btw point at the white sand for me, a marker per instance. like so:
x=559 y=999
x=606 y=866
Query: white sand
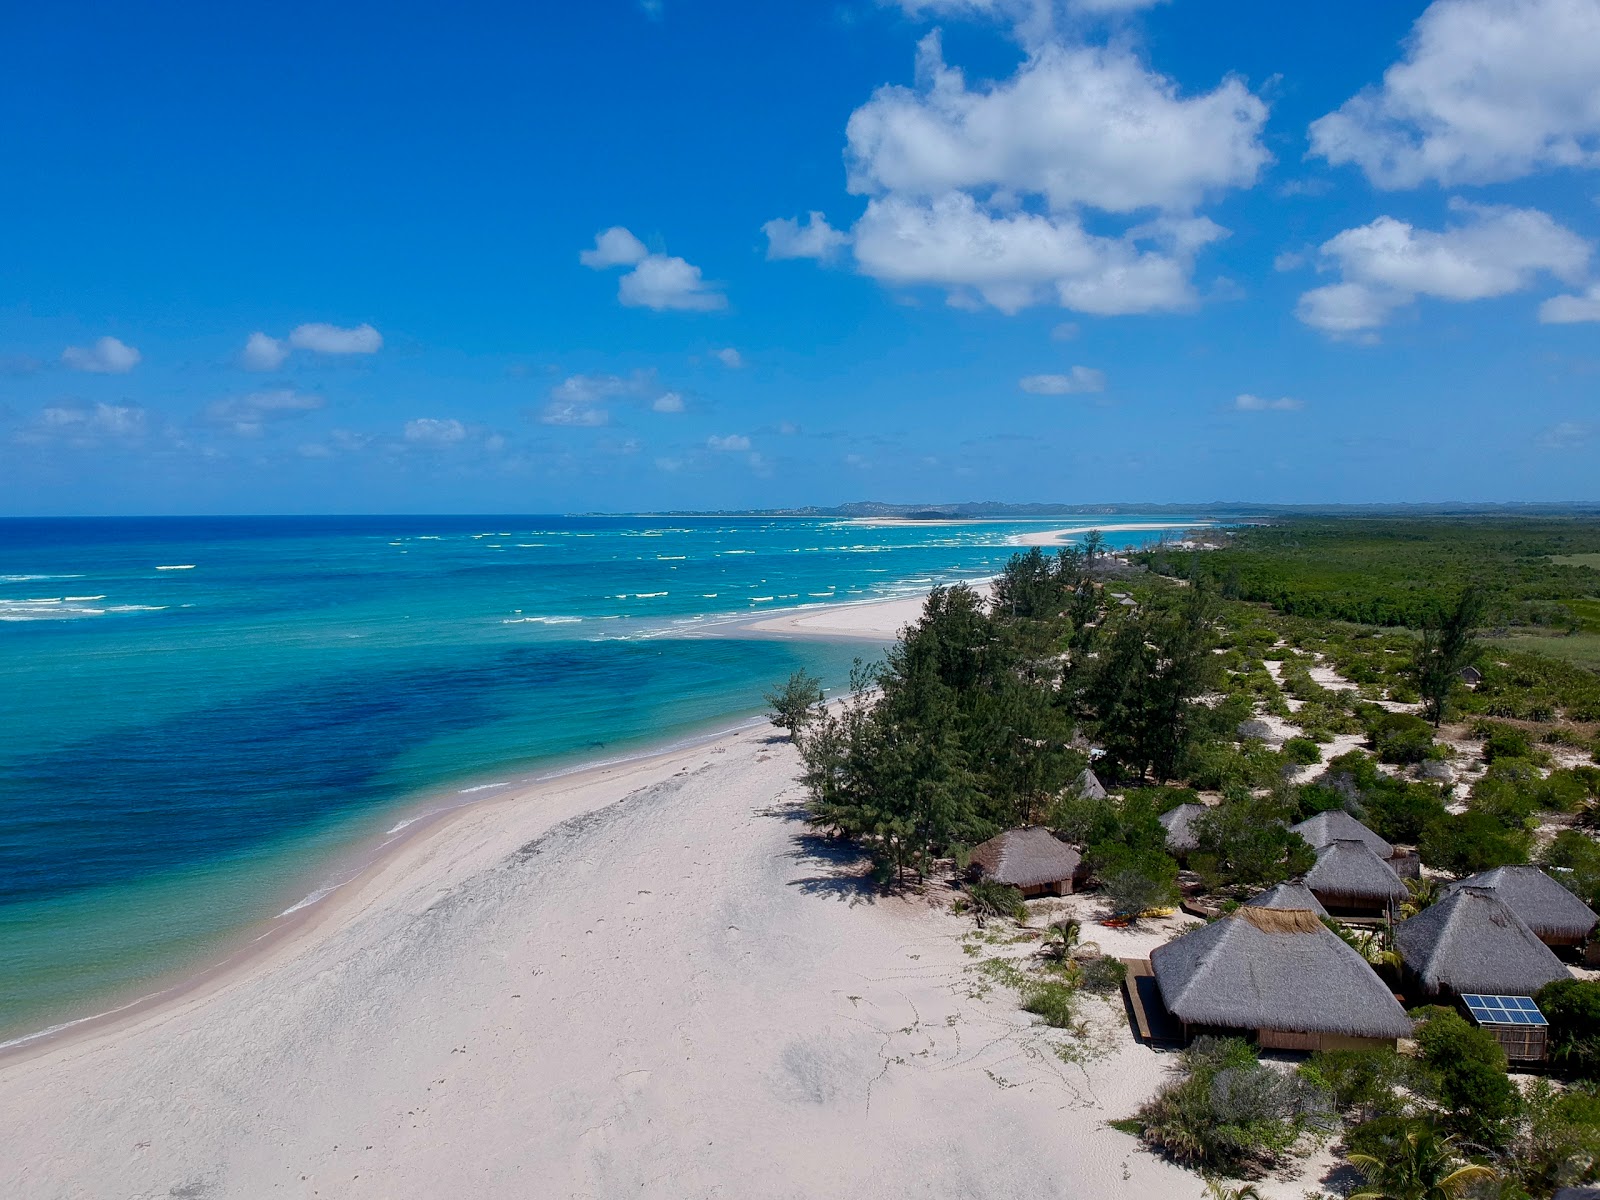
x=1060 y=537
x=645 y=980
x=871 y=620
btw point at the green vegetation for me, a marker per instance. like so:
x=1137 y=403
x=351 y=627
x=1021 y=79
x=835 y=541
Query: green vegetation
x=1468 y=1068
x=1418 y=1163
x=1572 y=1007
x=795 y=703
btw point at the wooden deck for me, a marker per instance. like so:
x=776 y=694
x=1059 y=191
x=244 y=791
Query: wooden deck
x=1153 y=1024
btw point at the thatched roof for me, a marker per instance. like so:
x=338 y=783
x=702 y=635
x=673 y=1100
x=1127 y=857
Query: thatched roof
x=1471 y=942
x=1179 y=824
x=1350 y=871
x=1027 y=858
x=1271 y=968
x=1288 y=895
x=1090 y=787
x=1337 y=825
x=1544 y=905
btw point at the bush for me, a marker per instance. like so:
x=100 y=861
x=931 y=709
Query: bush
x=1245 y=842
x=986 y=898
x=1132 y=892
x=1399 y=811
x=1573 y=859
x=1502 y=741
x=1364 y=1084
x=1231 y=1113
x=1401 y=738
x=1467 y=1073
x=1302 y=750
x=1560 y=1141
x=1471 y=842
x=1572 y=1006
x=795 y=703
x=1509 y=791
x=1050 y=999
x=1102 y=973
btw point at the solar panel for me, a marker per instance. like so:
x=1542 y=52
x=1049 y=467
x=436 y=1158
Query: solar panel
x=1504 y=1010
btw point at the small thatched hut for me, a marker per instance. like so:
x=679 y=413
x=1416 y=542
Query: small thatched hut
x=1280 y=975
x=1032 y=860
x=1471 y=942
x=1337 y=825
x=1182 y=839
x=1352 y=881
x=1556 y=916
x=1294 y=896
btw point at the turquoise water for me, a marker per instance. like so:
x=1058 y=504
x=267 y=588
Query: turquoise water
x=199 y=717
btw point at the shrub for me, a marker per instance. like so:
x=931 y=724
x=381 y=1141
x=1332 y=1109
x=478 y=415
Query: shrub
x=986 y=898
x=1050 y=999
x=1400 y=811
x=1502 y=741
x=1131 y=892
x=1560 y=1141
x=1401 y=738
x=1572 y=1006
x=1471 y=842
x=1102 y=973
x=1573 y=859
x=1245 y=842
x=1302 y=750
x=1467 y=1071
x=795 y=703
x=1509 y=791
x=1364 y=1084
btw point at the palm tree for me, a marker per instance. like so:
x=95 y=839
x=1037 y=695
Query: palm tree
x=1062 y=938
x=1216 y=1189
x=1424 y=892
x=1421 y=1165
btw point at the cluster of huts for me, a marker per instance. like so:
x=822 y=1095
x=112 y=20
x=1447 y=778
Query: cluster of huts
x=1274 y=971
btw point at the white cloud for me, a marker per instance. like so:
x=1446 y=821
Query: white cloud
x=813 y=238
x=577 y=415
x=657 y=281
x=249 y=415
x=1076 y=124
x=1020 y=259
x=107 y=356
x=576 y=399
x=1569 y=310
x=1568 y=435
x=733 y=441
x=1488 y=90
x=331 y=339
x=85 y=425
x=667 y=402
x=1388 y=263
x=1245 y=402
x=730 y=358
x=1064 y=332
x=1079 y=380
x=616 y=247
x=1289 y=260
x=431 y=431
x=263 y=353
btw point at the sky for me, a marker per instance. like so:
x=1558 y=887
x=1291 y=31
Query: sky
x=695 y=254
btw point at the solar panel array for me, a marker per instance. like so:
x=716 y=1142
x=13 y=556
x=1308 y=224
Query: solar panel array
x=1504 y=1010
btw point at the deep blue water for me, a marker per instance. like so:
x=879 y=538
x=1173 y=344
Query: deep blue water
x=197 y=716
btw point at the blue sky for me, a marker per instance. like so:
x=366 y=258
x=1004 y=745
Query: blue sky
x=364 y=257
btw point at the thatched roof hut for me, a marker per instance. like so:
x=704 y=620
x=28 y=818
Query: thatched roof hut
x=1033 y=860
x=1337 y=825
x=1295 y=896
x=1471 y=942
x=1090 y=787
x=1350 y=879
x=1281 y=973
x=1182 y=837
x=1556 y=916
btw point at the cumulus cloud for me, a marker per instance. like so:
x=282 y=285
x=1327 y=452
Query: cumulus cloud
x=983 y=189
x=1487 y=90
x=667 y=402
x=1387 y=264
x=581 y=416
x=577 y=400
x=263 y=353
x=432 y=431
x=85 y=425
x=1245 y=402
x=331 y=339
x=106 y=356
x=1076 y=124
x=1077 y=381
x=811 y=238
x=1570 y=309
x=658 y=281
x=732 y=442
x=730 y=358
x=248 y=416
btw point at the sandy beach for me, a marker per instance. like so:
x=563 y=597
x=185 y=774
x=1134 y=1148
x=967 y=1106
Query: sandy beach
x=646 y=979
x=1060 y=537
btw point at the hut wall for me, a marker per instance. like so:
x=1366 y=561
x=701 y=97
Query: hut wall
x=1283 y=1039
x=1521 y=1042
x=1061 y=887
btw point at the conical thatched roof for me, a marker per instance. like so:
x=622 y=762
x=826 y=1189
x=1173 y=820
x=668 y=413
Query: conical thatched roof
x=1544 y=905
x=1027 y=858
x=1348 y=873
x=1295 y=896
x=1337 y=825
x=1271 y=968
x=1090 y=787
x=1471 y=942
x=1179 y=824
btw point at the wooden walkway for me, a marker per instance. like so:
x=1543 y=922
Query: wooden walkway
x=1151 y=1020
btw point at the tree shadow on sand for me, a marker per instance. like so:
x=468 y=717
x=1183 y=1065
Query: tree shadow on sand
x=842 y=872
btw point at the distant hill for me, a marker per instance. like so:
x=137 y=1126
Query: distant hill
x=996 y=509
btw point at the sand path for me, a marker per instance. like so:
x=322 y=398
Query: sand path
x=647 y=980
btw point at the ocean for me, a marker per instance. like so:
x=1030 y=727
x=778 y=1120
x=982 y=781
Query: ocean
x=199 y=718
